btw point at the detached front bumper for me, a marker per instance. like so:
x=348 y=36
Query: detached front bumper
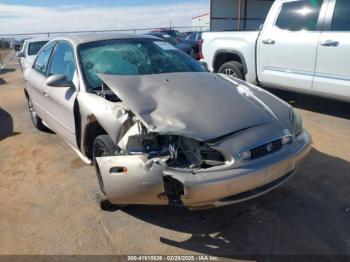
x=145 y=182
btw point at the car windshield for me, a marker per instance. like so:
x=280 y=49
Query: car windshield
x=132 y=57
x=35 y=47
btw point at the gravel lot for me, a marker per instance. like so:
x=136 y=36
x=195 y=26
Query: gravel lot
x=48 y=197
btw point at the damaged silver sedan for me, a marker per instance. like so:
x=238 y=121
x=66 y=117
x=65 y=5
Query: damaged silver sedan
x=159 y=128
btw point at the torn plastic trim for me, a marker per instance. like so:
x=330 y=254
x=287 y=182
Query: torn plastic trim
x=137 y=180
x=132 y=179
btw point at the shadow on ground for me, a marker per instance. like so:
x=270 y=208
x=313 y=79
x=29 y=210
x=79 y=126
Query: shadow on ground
x=2 y=81
x=6 y=125
x=7 y=70
x=308 y=215
x=313 y=103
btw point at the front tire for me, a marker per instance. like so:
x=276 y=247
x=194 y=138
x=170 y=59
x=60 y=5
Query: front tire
x=232 y=69
x=103 y=146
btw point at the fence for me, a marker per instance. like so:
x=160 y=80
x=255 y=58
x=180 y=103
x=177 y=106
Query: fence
x=130 y=30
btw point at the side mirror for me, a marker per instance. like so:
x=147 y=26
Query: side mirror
x=20 y=54
x=59 y=81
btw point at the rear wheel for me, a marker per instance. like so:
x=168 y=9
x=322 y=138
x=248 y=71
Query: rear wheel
x=232 y=69
x=37 y=122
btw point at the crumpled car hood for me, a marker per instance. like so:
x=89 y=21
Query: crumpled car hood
x=198 y=105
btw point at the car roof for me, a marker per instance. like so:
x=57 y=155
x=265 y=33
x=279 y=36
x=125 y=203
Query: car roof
x=38 y=39
x=156 y=33
x=86 y=38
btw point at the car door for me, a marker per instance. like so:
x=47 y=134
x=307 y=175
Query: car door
x=332 y=74
x=287 y=45
x=60 y=100
x=35 y=80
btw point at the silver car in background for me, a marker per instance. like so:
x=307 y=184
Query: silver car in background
x=29 y=50
x=159 y=128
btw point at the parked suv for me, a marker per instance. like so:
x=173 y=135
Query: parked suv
x=193 y=40
x=304 y=45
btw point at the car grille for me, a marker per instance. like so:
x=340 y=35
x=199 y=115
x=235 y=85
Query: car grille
x=266 y=149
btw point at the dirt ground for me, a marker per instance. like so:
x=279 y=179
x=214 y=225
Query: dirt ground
x=48 y=202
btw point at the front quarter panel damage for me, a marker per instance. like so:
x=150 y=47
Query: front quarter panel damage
x=110 y=116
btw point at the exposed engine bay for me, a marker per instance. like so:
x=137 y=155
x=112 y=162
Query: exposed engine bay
x=179 y=152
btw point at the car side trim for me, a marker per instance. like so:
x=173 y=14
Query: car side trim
x=306 y=73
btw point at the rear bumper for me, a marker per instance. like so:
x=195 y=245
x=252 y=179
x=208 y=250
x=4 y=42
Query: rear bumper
x=250 y=181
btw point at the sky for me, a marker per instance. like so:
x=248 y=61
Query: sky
x=32 y=16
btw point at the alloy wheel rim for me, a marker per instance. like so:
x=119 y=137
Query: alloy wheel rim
x=230 y=72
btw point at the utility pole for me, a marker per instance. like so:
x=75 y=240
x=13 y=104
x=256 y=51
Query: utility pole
x=239 y=12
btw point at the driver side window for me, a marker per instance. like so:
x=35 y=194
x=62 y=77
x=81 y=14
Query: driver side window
x=43 y=58
x=63 y=62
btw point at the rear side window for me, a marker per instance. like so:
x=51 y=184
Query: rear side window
x=193 y=36
x=299 y=15
x=341 y=16
x=35 y=47
x=63 y=62
x=43 y=57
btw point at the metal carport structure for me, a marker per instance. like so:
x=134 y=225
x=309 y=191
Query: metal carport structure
x=238 y=14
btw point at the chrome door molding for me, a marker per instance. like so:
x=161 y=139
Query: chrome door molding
x=305 y=73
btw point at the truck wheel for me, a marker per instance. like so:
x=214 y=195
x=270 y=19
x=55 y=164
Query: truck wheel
x=232 y=69
x=37 y=122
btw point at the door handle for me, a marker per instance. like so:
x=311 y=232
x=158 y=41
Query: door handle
x=46 y=94
x=27 y=82
x=268 y=42
x=330 y=43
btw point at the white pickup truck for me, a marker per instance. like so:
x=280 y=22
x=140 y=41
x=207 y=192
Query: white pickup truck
x=303 y=45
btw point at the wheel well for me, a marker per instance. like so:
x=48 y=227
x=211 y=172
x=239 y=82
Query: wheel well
x=77 y=122
x=222 y=58
x=92 y=130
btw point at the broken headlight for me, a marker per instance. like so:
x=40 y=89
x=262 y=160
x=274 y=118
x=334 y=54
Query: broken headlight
x=182 y=152
x=189 y=153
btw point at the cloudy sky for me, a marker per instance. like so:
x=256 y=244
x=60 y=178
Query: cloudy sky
x=31 y=16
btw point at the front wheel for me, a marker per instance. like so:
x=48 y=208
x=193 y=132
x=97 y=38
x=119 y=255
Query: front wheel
x=103 y=146
x=232 y=69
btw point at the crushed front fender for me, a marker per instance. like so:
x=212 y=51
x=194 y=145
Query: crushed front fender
x=132 y=179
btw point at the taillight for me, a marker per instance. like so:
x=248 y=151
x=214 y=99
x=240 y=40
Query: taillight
x=200 y=49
